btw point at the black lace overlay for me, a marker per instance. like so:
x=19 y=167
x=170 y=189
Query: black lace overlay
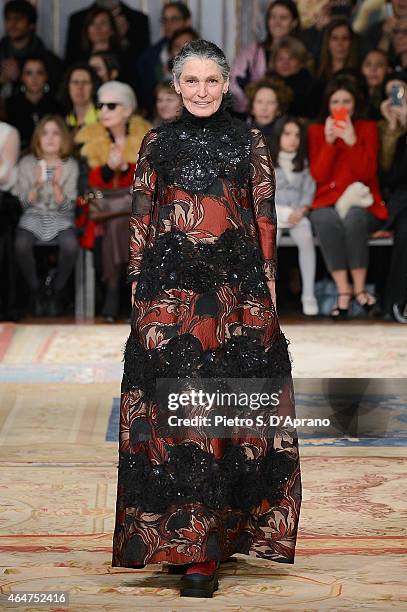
x=194 y=152
x=175 y=262
x=191 y=475
x=183 y=357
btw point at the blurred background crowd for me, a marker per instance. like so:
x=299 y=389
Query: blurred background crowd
x=327 y=89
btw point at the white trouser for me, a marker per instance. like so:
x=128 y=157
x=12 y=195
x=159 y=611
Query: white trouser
x=301 y=233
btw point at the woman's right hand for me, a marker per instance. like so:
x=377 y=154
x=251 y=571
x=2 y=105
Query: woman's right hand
x=330 y=133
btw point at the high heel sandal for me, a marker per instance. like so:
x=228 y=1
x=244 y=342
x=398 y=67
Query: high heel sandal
x=341 y=314
x=367 y=307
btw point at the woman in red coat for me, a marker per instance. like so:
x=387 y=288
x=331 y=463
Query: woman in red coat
x=347 y=206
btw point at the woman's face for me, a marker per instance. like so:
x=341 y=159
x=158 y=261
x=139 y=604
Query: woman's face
x=290 y=138
x=286 y=64
x=280 y=22
x=168 y=105
x=374 y=68
x=100 y=29
x=51 y=139
x=201 y=86
x=112 y=117
x=80 y=87
x=99 y=66
x=341 y=98
x=339 y=43
x=265 y=106
x=34 y=76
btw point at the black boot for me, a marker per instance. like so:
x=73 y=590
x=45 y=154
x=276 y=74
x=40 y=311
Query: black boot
x=195 y=584
x=110 y=308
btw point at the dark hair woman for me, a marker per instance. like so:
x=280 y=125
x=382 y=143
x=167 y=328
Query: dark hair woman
x=106 y=65
x=77 y=95
x=99 y=33
x=282 y=19
x=268 y=99
x=34 y=100
x=202 y=268
x=338 y=52
x=347 y=207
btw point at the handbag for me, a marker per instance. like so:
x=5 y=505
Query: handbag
x=97 y=206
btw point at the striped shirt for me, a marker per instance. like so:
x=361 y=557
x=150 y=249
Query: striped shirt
x=45 y=218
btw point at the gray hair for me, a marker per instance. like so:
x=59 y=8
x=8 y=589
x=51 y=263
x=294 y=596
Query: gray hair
x=202 y=49
x=121 y=92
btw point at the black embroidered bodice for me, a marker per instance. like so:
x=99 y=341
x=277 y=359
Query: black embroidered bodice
x=193 y=152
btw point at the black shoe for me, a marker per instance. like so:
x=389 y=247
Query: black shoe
x=341 y=314
x=110 y=310
x=56 y=304
x=400 y=312
x=199 y=585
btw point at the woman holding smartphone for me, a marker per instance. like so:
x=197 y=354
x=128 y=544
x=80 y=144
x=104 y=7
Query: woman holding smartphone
x=347 y=207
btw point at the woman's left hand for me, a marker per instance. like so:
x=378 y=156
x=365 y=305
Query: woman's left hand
x=271 y=284
x=346 y=131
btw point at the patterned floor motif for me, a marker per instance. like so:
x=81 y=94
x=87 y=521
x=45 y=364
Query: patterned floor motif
x=58 y=456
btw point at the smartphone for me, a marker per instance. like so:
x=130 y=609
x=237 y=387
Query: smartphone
x=396 y=95
x=340 y=113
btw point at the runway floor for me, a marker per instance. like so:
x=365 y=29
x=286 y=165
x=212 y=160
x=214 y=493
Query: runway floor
x=59 y=400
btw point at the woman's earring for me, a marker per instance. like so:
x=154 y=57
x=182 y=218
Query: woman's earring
x=46 y=88
x=22 y=88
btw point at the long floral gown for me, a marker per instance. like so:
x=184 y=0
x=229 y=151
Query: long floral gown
x=202 y=247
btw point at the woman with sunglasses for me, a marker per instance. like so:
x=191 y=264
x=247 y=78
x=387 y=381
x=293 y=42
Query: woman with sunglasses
x=110 y=148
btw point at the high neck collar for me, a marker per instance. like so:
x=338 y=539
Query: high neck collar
x=220 y=115
x=284 y=155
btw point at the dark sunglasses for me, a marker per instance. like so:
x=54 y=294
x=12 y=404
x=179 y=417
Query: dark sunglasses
x=110 y=105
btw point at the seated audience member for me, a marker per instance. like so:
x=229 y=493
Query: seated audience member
x=78 y=94
x=282 y=19
x=111 y=148
x=374 y=69
x=338 y=52
x=290 y=61
x=47 y=187
x=21 y=42
x=400 y=44
x=99 y=33
x=168 y=104
x=132 y=26
x=381 y=34
x=25 y=109
x=395 y=183
x=9 y=213
x=106 y=65
x=295 y=189
x=393 y=124
x=152 y=63
x=268 y=99
x=347 y=206
x=178 y=40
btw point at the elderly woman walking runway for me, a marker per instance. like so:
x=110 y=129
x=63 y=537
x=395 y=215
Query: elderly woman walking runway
x=202 y=268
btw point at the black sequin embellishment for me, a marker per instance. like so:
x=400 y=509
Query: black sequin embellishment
x=191 y=475
x=183 y=357
x=175 y=262
x=193 y=152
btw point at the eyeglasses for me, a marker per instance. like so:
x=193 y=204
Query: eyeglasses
x=109 y=105
x=173 y=19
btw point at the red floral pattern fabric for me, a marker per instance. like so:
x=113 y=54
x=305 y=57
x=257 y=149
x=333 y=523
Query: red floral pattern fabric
x=203 y=498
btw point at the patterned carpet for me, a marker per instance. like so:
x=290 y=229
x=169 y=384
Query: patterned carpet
x=59 y=390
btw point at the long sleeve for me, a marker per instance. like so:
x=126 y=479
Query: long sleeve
x=8 y=159
x=308 y=189
x=322 y=155
x=69 y=187
x=263 y=193
x=143 y=193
